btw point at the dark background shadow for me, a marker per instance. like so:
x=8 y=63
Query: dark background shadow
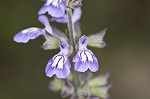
x=126 y=57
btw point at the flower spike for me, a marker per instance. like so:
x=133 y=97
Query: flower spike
x=59 y=64
x=84 y=58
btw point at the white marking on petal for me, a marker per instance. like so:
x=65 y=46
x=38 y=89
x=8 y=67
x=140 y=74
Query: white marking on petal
x=83 y=56
x=55 y=3
x=49 y=2
x=29 y=30
x=56 y=60
x=89 y=55
x=61 y=63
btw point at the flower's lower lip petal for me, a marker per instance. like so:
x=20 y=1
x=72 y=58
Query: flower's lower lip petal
x=76 y=58
x=81 y=66
x=93 y=66
x=21 y=38
x=48 y=65
x=62 y=73
x=67 y=64
x=50 y=71
x=28 y=34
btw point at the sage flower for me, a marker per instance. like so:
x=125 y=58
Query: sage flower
x=59 y=64
x=84 y=58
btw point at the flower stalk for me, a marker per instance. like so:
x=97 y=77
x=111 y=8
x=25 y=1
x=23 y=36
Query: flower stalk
x=70 y=26
x=72 y=40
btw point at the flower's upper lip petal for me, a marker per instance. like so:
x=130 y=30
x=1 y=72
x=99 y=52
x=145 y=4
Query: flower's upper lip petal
x=44 y=20
x=83 y=39
x=76 y=15
x=63 y=45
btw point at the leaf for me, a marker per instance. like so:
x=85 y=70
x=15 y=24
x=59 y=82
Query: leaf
x=96 y=40
x=101 y=92
x=99 y=81
x=51 y=43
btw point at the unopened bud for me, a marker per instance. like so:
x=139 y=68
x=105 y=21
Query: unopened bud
x=75 y=4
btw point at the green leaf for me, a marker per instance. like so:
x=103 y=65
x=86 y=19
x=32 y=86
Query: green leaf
x=51 y=43
x=101 y=92
x=99 y=81
x=96 y=40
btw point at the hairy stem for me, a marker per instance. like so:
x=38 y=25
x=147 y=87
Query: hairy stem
x=70 y=26
x=72 y=41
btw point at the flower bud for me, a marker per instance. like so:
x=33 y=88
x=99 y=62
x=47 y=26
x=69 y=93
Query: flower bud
x=75 y=4
x=84 y=91
x=55 y=85
x=67 y=89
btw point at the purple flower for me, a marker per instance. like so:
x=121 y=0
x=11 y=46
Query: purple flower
x=75 y=17
x=55 y=8
x=59 y=64
x=84 y=58
x=31 y=33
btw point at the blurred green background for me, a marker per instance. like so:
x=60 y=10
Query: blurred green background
x=127 y=56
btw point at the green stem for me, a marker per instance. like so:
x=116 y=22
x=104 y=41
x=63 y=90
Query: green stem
x=72 y=41
x=70 y=26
